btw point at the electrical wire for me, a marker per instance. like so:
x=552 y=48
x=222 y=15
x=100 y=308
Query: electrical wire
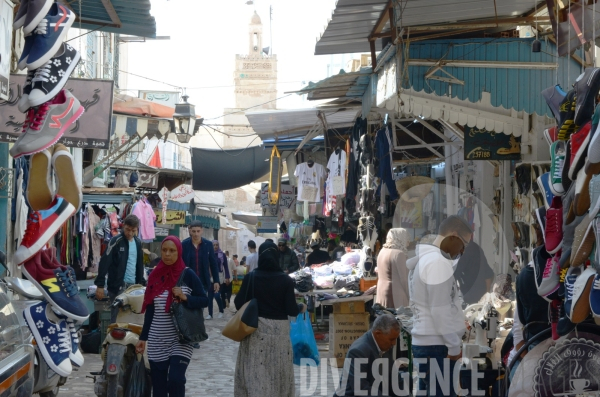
x=225 y=151
x=251 y=107
x=229 y=135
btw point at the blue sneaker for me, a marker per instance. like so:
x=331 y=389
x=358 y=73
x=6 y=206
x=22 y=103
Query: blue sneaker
x=543 y=182
x=51 y=32
x=52 y=337
x=572 y=275
x=55 y=283
x=595 y=297
x=74 y=355
x=29 y=39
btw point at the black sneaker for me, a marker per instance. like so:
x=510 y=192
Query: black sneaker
x=23 y=104
x=565 y=180
x=554 y=96
x=567 y=115
x=587 y=87
x=52 y=77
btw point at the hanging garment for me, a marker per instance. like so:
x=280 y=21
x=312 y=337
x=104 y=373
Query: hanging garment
x=145 y=213
x=21 y=211
x=21 y=170
x=384 y=149
x=360 y=127
x=95 y=239
x=310 y=181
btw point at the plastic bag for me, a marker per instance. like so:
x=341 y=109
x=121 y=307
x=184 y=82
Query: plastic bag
x=303 y=340
x=139 y=383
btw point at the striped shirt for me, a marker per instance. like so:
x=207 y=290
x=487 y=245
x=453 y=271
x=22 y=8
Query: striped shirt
x=162 y=338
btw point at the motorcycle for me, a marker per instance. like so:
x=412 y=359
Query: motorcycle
x=118 y=347
x=17 y=355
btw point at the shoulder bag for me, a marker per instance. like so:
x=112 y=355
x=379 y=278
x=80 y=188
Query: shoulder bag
x=245 y=321
x=189 y=323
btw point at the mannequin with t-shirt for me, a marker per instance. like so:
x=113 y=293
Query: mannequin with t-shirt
x=310 y=177
x=336 y=179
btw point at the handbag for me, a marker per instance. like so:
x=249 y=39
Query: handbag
x=189 y=323
x=245 y=321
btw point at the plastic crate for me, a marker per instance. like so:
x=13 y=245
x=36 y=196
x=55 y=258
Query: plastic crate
x=104 y=323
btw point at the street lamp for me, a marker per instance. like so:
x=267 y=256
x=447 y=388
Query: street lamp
x=184 y=119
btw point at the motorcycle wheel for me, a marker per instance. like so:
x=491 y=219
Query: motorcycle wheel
x=116 y=383
x=51 y=393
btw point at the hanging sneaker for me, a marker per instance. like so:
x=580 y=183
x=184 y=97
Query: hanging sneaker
x=581 y=202
x=66 y=181
x=554 y=316
x=565 y=180
x=572 y=274
x=75 y=355
x=39 y=192
x=579 y=149
x=544 y=185
x=41 y=227
x=565 y=325
x=21 y=15
x=23 y=104
x=557 y=153
x=540 y=258
x=592 y=163
x=567 y=113
x=53 y=75
x=50 y=122
x=554 y=96
x=540 y=215
x=561 y=283
x=22 y=64
x=568 y=239
x=554 y=223
x=550 y=277
x=52 y=30
x=580 y=306
x=595 y=297
x=551 y=135
x=36 y=10
x=51 y=336
x=587 y=87
x=594 y=189
x=583 y=242
x=55 y=283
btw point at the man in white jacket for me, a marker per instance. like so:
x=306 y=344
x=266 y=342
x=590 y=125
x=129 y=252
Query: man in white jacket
x=438 y=319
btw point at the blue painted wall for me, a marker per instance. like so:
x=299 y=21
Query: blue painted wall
x=510 y=88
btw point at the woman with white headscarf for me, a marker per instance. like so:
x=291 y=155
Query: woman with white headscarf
x=392 y=273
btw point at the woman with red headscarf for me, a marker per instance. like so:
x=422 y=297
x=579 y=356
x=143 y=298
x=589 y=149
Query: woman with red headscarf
x=168 y=357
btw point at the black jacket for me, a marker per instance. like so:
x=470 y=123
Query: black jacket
x=288 y=260
x=114 y=262
x=203 y=260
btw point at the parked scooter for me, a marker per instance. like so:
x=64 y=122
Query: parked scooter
x=118 y=348
x=16 y=354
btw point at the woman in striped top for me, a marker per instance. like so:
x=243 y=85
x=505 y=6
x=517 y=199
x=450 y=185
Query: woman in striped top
x=168 y=357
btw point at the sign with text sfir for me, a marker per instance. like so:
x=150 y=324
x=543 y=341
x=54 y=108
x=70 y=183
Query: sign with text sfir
x=481 y=144
x=91 y=131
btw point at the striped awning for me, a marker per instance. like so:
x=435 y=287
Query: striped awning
x=131 y=125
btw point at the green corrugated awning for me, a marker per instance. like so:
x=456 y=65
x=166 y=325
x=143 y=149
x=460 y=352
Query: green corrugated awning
x=207 y=221
x=130 y=17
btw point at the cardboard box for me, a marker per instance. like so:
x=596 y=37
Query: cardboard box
x=344 y=329
x=350 y=307
x=366 y=283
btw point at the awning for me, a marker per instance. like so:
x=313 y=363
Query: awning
x=217 y=170
x=207 y=221
x=249 y=218
x=342 y=85
x=209 y=199
x=225 y=225
x=128 y=17
x=286 y=124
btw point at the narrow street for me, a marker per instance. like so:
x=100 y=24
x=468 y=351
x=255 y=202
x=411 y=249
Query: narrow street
x=210 y=374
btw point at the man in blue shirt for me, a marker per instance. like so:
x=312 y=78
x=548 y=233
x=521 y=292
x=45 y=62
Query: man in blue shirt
x=199 y=255
x=123 y=262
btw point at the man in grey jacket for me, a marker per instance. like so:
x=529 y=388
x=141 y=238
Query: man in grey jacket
x=371 y=370
x=287 y=257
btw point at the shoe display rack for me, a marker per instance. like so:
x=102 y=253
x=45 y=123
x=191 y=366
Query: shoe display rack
x=527 y=197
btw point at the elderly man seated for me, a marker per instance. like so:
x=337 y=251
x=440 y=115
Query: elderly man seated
x=369 y=369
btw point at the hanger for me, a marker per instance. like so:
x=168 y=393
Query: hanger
x=338 y=148
x=310 y=161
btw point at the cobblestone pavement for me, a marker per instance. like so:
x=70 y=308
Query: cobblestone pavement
x=211 y=370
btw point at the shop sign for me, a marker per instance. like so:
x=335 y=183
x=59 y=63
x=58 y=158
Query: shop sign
x=266 y=224
x=183 y=194
x=91 y=131
x=168 y=98
x=287 y=199
x=568 y=368
x=6 y=18
x=172 y=216
x=481 y=144
x=161 y=232
x=145 y=179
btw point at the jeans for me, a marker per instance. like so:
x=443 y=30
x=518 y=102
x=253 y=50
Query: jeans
x=168 y=377
x=431 y=387
x=225 y=292
x=216 y=296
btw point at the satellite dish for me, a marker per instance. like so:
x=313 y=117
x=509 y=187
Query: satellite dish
x=275 y=176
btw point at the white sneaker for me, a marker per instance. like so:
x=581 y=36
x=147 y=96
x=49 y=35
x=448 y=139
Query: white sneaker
x=220 y=315
x=209 y=317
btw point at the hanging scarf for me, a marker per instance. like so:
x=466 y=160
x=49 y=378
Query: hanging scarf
x=221 y=258
x=164 y=277
x=396 y=239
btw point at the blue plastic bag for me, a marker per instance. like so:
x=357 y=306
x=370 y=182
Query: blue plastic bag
x=304 y=344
